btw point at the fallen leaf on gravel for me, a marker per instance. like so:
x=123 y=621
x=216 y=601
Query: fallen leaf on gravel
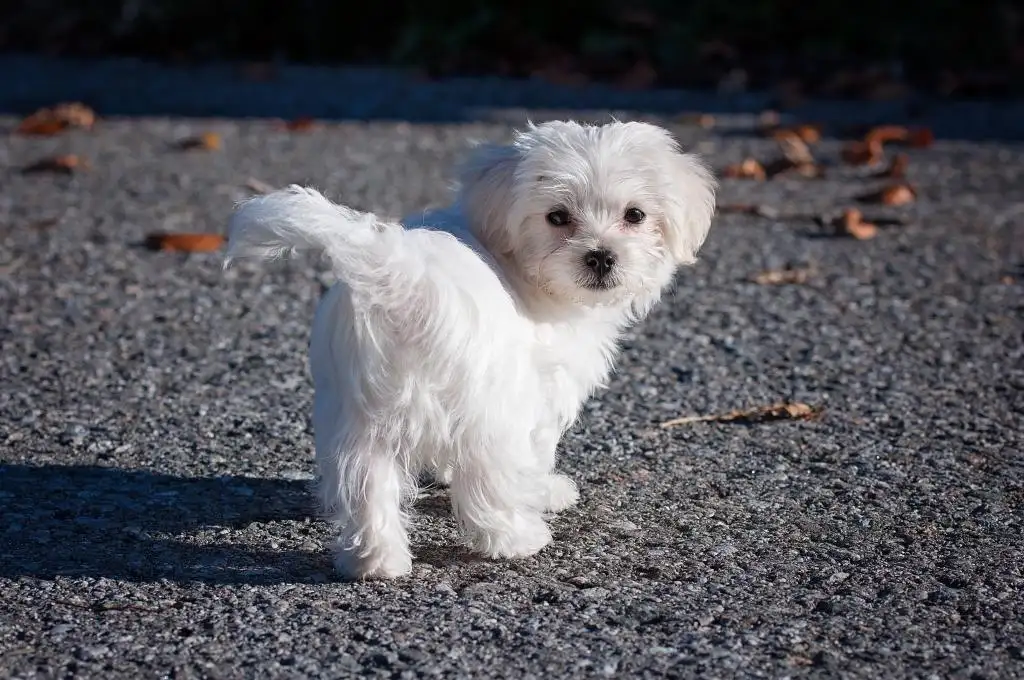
x=301 y=124
x=185 y=243
x=758 y=414
x=750 y=168
x=894 y=194
x=897 y=167
x=851 y=223
x=806 y=132
x=862 y=153
x=779 y=276
x=794 y=148
x=887 y=134
x=208 y=141
x=921 y=138
x=65 y=164
x=53 y=120
x=1007 y=280
x=796 y=157
x=44 y=223
x=749 y=209
x=258 y=186
x=785 y=166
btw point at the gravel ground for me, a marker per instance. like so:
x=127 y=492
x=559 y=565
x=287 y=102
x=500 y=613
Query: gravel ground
x=156 y=448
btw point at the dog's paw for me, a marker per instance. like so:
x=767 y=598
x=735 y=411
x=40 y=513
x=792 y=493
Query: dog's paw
x=561 y=492
x=511 y=534
x=380 y=563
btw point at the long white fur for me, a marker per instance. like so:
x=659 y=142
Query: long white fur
x=464 y=343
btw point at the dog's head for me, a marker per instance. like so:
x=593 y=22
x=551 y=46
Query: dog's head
x=590 y=215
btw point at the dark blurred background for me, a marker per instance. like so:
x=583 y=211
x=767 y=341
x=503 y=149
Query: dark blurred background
x=865 y=48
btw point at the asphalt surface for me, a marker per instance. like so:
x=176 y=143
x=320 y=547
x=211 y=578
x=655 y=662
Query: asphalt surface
x=155 y=449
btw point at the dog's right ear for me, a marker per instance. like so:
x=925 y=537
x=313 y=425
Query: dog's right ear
x=486 y=193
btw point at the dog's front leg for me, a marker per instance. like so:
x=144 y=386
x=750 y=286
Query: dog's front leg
x=498 y=498
x=561 y=491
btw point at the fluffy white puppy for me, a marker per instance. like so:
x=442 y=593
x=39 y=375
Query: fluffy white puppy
x=466 y=345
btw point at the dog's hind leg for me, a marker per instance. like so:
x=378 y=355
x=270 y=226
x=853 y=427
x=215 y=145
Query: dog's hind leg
x=364 y=503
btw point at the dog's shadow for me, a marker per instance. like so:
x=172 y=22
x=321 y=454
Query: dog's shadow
x=139 y=526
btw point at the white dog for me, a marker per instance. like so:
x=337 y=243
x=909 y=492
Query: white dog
x=466 y=347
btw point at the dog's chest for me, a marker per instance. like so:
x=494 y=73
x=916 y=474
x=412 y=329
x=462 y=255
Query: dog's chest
x=571 y=366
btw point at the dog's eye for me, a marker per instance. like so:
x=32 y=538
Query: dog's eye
x=558 y=218
x=634 y=215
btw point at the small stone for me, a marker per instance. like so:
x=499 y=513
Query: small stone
x=724 y=550
x=595 y=593
x=624 y=525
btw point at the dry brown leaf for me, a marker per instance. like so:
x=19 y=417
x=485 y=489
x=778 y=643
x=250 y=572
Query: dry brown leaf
x=794 y=148
x=921 y=138
x=863 y=153
x=887 y=134
x=785 y=166
x=897 y=167
x=301 y=124
x=758 y=414
x=750 y=168
x=65 y=164
x=1007 y=280
x=890 y=134
x=185 y=243
x=894 y=194
x=44 y=223
x=806 y=132
x=208 y=141
x=42 y=128
x=774 y=277
x=796 y=157
x=56 y=119
x=851 y=223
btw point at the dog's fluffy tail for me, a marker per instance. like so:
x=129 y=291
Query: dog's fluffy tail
x=301 y=219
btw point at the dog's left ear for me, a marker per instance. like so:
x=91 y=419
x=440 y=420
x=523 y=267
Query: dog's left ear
x=486 y=183
x=688 y=191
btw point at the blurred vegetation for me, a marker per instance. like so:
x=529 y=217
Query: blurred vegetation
x=690 y=42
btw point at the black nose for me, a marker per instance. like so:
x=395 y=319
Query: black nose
x=600 y=262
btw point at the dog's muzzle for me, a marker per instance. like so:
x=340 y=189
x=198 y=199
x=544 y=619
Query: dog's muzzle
x=599 y=266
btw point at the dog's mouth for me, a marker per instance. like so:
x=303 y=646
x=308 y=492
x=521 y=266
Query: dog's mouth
x=598 y=283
